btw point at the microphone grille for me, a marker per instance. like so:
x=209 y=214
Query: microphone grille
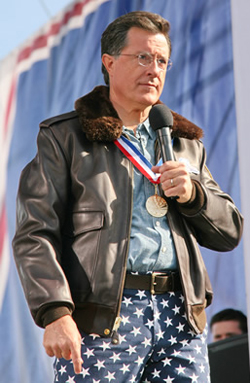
x=160 y=116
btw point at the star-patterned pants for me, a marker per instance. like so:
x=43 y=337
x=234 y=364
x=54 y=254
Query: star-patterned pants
x=156 y=345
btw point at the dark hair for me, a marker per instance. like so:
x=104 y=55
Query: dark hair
x=230 y=314
x=114 y=38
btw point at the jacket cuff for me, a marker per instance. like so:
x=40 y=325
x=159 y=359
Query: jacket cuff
x=54 y=313
x=196 y=202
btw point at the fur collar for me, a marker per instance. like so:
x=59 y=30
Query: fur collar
x=100 y=121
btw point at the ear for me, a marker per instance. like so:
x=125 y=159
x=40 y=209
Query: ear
x=108 y=62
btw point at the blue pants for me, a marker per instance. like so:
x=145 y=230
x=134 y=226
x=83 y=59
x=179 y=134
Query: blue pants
x=156 y=345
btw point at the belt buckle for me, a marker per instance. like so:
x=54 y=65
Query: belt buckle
x=153 y=283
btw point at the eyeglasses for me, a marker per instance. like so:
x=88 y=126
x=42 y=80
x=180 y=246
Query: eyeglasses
x=145 y=59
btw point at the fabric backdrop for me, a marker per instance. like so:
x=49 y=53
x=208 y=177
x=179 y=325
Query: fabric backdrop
x=60 y=63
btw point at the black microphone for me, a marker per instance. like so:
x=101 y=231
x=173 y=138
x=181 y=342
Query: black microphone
x=161 y=120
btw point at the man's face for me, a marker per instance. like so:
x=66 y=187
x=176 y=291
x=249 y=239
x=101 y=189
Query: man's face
x=225 y=329
x=134 y=85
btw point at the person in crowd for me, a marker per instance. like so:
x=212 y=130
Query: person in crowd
x=107 y=237
x=226 y=323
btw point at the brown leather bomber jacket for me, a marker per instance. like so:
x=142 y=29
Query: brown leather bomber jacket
x=74 y=209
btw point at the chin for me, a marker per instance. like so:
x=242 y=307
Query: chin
x=148 y=101
x=151 y=97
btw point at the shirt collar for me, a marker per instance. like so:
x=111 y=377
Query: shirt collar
x=147 y=127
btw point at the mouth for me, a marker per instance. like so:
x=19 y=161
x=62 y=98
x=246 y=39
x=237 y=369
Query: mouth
x=149 y=85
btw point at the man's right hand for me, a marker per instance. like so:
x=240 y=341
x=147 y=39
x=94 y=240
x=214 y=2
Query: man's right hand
x=63 y=340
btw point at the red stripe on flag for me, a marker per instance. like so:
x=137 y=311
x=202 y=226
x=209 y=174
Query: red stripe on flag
x=9 y=105
x=41 y=41
x=3 y=228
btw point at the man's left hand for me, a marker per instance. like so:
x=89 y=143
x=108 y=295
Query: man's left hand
x=175 y=180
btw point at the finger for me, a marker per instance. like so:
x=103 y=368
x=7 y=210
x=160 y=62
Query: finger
x=49 y=351
x=66 y=354
x=166 y=166
x=77 y=363
x=58 y=352
x=172 y=183
x=155 y=169
x=76 y=359
x=169 y=184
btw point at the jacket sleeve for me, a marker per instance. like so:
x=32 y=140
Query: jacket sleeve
x=41 y=204
x=212 y=216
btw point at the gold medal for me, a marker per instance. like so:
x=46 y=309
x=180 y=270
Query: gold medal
x=156 y=205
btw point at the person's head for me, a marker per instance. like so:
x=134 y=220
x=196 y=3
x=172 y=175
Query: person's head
x=135 y=49
x=227 y=323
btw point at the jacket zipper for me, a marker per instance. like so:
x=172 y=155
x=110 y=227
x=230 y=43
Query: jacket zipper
x=118 y=319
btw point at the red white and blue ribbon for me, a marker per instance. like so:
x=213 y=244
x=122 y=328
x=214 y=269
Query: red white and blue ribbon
x=137 y=158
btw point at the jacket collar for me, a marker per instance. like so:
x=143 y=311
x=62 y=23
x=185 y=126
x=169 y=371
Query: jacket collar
x=100 y=121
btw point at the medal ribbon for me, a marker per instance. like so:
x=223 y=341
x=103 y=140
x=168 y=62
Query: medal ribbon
x=137 y=158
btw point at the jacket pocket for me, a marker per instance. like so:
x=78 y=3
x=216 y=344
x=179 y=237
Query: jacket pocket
x=82 y=250
x=87 y=220
x=87 y=228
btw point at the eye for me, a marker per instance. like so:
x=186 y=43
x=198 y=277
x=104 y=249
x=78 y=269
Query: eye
x=162 y=61
x=144 y=57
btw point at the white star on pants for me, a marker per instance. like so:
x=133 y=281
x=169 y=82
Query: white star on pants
x=168 y=380
x=110 y=376
x=156 y=373
x=180 y=369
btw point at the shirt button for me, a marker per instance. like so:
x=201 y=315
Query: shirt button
x=158 y=223
x=164 y=249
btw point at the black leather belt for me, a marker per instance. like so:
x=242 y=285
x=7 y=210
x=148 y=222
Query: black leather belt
x=156 y=283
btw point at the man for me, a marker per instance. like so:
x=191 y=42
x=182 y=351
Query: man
x=227 y=323
x=119 y=286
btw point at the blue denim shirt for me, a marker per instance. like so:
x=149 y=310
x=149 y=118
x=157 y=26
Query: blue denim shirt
x=151 y=244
